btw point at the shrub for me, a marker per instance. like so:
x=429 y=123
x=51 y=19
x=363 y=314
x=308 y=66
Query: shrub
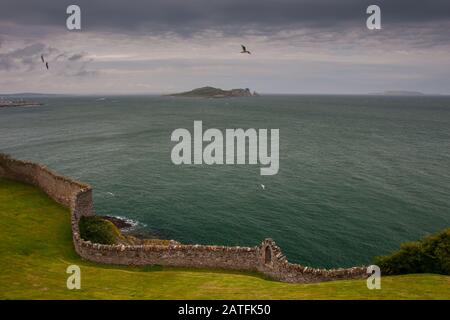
x=98 y=230
x=429 y=255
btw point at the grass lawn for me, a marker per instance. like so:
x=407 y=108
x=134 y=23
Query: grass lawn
x=36 y=248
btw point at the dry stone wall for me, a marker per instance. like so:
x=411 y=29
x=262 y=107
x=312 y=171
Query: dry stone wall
x=267 y=258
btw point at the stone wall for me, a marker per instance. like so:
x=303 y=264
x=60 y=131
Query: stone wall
x=266 y=258
x=61 y=189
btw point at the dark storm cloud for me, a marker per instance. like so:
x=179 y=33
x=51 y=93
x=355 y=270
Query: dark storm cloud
x=229 y=16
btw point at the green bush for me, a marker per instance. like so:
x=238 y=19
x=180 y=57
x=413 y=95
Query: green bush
x=429 y=255
x=98 y=230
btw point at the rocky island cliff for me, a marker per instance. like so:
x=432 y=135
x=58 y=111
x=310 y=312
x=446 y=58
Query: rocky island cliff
x=211 y=92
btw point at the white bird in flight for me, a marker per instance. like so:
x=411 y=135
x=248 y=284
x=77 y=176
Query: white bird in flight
x=244 y=49
x=263 y=187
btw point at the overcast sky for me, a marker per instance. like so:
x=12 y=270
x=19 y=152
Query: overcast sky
x=162 y=46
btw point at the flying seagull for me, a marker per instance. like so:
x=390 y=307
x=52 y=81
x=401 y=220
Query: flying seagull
x=244 y=49
x=263 y=187
x=43 y=61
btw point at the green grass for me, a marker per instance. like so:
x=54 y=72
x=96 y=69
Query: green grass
x=36 y=248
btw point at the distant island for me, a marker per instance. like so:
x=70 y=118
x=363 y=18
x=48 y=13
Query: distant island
x=211 y=92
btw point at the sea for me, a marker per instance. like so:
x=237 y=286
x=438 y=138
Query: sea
x=358 y=175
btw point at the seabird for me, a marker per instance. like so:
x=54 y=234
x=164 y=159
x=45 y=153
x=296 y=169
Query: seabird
x=42 y=58
x=263 y=187
x=46 y=65
x=244 y=50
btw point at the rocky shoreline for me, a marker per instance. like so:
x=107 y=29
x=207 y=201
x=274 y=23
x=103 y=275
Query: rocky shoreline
x=120 y=223
x=129 y=227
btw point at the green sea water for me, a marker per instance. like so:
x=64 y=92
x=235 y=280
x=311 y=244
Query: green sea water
x=358 y=174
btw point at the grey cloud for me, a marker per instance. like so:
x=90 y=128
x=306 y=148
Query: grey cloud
x=29 y=58
x=414 y=23
x=23 y=57
x=85 y=73
x=229 y=16
x=81 y=67
x=76 y=56
x=327 y=39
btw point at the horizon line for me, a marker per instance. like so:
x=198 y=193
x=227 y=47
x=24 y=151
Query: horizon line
x=385 y=93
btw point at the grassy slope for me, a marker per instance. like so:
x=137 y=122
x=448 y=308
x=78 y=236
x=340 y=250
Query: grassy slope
x=36 y=248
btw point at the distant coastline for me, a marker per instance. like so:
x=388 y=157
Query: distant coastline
x=400 y=93
x=195 y=93
x=18 y=103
